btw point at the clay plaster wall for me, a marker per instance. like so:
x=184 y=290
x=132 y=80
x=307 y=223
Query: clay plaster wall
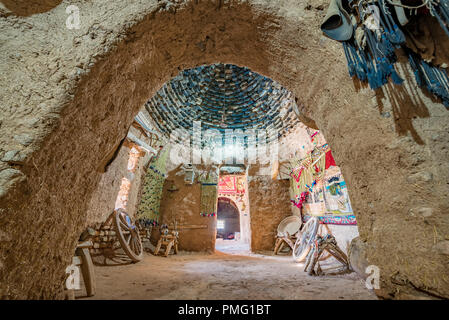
x=183 y=206
x=269 y=204
x=344 y=235
x=69 y=97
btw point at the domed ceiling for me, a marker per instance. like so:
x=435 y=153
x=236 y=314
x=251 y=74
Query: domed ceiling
x=223 y=97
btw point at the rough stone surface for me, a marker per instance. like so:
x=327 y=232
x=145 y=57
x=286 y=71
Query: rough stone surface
x=442 y=247
x=357 y=257
x=74 y=93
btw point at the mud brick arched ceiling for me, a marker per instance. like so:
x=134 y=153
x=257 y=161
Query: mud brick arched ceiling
x=223 y=97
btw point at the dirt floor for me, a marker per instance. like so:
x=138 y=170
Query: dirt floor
x=232 y=274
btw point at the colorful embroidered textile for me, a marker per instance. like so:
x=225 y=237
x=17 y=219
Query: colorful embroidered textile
x=324 y=148
x=144 y=222
x=336 y=195
x=208 y=199
x=231 y=184
x=318 y=175
x=300 y=200
x=208 y=214
x=296 y=173
x=209 y=191
x=331 y=219
x=152 y=188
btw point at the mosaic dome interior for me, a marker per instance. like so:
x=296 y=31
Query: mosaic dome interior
x=223 y=96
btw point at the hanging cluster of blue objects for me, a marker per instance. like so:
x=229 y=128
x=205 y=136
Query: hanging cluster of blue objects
x=433 y=78
x=375 y=61
x=375 y=65
x=440 y=11
x=223 y=97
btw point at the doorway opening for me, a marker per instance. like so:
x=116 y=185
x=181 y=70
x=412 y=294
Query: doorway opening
x=233 y=221
x=228 y=220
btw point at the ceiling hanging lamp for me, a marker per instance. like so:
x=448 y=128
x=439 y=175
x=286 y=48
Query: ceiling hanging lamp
x=223 y=118
x=223 y=115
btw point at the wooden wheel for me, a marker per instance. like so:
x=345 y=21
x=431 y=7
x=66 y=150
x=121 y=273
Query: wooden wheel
x=304 y=242
x=87 y=269
x=128 y=235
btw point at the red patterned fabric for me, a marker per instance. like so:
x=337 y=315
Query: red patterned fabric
x=230 y=185
x=330 y=160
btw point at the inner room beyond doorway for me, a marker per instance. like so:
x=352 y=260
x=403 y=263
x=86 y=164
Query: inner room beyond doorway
x=233 y=217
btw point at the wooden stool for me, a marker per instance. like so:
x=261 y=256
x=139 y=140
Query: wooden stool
x=287 y=231
x=281 y=241
x=168 y=241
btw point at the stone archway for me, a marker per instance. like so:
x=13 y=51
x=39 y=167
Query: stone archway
x=229 y=201
x=66 y=110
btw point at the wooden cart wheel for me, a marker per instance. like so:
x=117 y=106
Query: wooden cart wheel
x=128 y=235
x=304 y=243
x=87 y=269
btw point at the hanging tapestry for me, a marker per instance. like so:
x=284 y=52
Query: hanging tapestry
x=209 y=193
x=318 y=187
x=153 y=184
x=231 y=185
x=336 y=194
x=302 y=179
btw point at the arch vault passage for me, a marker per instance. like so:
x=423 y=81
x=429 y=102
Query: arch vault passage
x=70 y=96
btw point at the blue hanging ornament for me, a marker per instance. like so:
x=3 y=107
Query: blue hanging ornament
x=433 y=78
x=440 y=10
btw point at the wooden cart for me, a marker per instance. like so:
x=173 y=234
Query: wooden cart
x=127 y=234
x=117 y=232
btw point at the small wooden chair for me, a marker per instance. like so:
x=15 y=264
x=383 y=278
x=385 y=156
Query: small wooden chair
x=168 y=241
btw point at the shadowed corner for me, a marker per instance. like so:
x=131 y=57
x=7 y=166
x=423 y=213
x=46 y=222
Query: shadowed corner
x=26 y=8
